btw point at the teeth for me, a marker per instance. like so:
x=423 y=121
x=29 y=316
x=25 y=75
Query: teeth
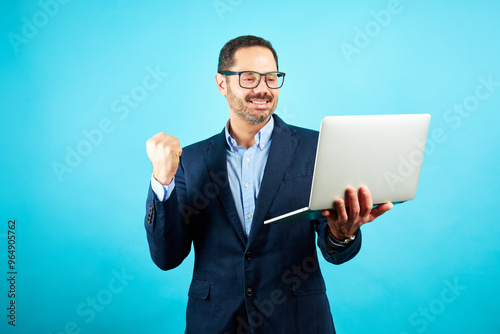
x=256 y=102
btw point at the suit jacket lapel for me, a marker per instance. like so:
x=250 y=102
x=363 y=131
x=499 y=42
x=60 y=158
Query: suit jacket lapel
x=217 y=166
x=283 y=145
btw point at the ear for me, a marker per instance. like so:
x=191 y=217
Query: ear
x=221 y=81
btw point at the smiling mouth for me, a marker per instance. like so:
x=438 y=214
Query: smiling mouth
x=259 y=103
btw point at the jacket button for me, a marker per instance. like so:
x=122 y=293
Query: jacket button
x=248 y=255
x=249 y=292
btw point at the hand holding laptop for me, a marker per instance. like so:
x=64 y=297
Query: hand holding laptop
x=349 y=157
x=346 y=219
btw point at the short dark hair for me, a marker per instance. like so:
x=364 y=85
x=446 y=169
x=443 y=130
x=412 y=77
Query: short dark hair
x=226 y=56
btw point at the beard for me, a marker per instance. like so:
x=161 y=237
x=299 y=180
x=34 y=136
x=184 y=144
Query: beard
x=246 y=112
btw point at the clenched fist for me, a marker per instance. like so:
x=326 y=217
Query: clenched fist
x=164 y=152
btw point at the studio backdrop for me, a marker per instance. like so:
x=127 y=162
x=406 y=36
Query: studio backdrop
x=84 y=84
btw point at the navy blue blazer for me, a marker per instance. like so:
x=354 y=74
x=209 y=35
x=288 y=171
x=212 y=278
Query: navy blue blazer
x=268 y=282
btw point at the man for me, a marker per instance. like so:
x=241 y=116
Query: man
x=249 y=277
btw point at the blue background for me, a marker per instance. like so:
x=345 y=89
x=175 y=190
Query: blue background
x=65 y=68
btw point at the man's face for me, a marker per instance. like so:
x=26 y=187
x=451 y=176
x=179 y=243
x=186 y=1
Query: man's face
x=255 y=105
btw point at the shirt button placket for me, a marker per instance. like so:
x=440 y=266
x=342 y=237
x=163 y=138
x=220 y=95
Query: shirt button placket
x=248 y=196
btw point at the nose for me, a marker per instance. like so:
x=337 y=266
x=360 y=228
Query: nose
x=262 y=86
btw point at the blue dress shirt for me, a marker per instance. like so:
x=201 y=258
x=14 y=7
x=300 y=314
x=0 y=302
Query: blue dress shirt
x=245 y=168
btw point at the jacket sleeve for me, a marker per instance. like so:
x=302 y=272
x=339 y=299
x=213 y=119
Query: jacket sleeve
x=335 y=254
x=168 y=236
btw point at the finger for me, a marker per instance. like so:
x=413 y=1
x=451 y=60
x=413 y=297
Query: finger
x=170 y=145
x=352 y=203
x=159 y=135
x=158 y=139
x=341 y=212
x=174 y=151
x=366 y=203
x=380 y=210
x=331 y=214
x=171 y=140
x=175 y=146
x=177 y=151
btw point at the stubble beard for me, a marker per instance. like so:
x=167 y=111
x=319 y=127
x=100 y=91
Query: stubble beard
x=244 y=112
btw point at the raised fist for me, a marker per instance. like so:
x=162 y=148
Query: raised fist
x=164 y=152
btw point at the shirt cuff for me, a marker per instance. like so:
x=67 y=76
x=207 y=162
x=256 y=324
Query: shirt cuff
x=162 y=192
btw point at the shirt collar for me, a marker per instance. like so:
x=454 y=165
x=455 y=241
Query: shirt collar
x=262 y=137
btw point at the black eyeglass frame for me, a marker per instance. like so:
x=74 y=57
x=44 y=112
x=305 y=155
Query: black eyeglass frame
x=260 y=77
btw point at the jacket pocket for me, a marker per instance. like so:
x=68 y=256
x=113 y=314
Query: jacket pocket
x=199 y=290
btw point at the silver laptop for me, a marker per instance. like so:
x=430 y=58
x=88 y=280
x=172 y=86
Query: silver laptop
x=383 y=152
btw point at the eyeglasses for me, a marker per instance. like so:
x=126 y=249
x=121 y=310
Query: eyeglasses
x=249 y=79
